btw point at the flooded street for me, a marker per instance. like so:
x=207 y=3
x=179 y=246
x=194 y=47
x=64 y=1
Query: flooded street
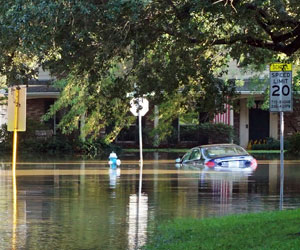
x=85 y=205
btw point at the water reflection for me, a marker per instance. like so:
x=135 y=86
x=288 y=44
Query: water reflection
x=114 y=175
x=14 y=188
x=137 y=221
x=84 y=205
x=222 y=186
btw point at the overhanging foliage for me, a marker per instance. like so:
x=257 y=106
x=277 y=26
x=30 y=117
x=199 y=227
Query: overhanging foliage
x=103 y=50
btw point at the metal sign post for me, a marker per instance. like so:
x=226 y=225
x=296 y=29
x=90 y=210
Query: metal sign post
x=139 y=107
x=281 y=100
x=281 y=159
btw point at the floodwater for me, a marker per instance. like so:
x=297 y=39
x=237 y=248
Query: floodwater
x=85 y=205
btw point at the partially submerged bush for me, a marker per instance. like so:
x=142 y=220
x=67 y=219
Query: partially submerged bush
x=29 y=141
x=96 y=148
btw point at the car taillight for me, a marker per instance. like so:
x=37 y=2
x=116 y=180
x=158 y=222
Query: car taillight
x=253 y=164
x=210 y=164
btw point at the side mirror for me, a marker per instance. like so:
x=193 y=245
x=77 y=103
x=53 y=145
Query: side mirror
x=178 y=160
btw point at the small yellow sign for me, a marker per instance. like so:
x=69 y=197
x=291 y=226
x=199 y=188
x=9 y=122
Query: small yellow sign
x=19 y=102
x=281 y=67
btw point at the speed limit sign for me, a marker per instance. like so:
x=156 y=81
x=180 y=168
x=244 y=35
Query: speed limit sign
x=281 y=96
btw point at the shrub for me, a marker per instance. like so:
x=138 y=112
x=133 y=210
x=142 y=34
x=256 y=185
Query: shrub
x=29 y=142
x=294 y=144
x=5 y=138
x=217 y=133
x=189 y=133
x=96 y=148
x=269 y=144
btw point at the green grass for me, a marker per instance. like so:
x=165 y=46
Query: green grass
x=165 y=150
x=267 y=230
x=264 y=151
x=184 y=150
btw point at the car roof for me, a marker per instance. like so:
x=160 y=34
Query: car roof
x=217 y=145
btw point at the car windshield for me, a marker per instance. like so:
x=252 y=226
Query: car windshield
x=220 y=151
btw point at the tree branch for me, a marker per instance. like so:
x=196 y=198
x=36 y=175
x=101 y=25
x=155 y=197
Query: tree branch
x=287 y=36
x=284 y=20
x=276 y=38
x=259 y=43
x=292 y=47
x=264 y=26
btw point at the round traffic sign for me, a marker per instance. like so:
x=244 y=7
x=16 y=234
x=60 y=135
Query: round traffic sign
x=139 y=105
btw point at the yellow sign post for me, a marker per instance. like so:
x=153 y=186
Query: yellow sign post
x=16 y=116
x=16 y=122
x=16 y=108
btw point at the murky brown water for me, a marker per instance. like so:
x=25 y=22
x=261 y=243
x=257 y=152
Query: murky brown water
x=84 y=205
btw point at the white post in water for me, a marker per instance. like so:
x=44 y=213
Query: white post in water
x=139 y=107
x=141 y=153
x=281 y=159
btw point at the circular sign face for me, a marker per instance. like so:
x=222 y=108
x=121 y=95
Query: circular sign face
x=139 y=105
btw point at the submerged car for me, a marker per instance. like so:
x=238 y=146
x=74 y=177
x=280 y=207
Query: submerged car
x=219 y=157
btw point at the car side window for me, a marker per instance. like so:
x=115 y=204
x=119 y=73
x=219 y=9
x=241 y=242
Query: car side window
x=186 y=156
x=195 y=155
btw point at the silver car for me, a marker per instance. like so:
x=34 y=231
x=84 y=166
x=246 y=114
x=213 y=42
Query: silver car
x=219 y=157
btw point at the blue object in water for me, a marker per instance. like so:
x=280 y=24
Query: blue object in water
x=113 y=160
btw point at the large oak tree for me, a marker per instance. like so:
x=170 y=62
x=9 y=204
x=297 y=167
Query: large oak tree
x=174 y=51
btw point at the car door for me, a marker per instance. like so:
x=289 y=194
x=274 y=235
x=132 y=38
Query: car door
x=186 y=157
x=193 y=158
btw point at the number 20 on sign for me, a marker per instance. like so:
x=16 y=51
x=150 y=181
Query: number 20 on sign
x=281 y=98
